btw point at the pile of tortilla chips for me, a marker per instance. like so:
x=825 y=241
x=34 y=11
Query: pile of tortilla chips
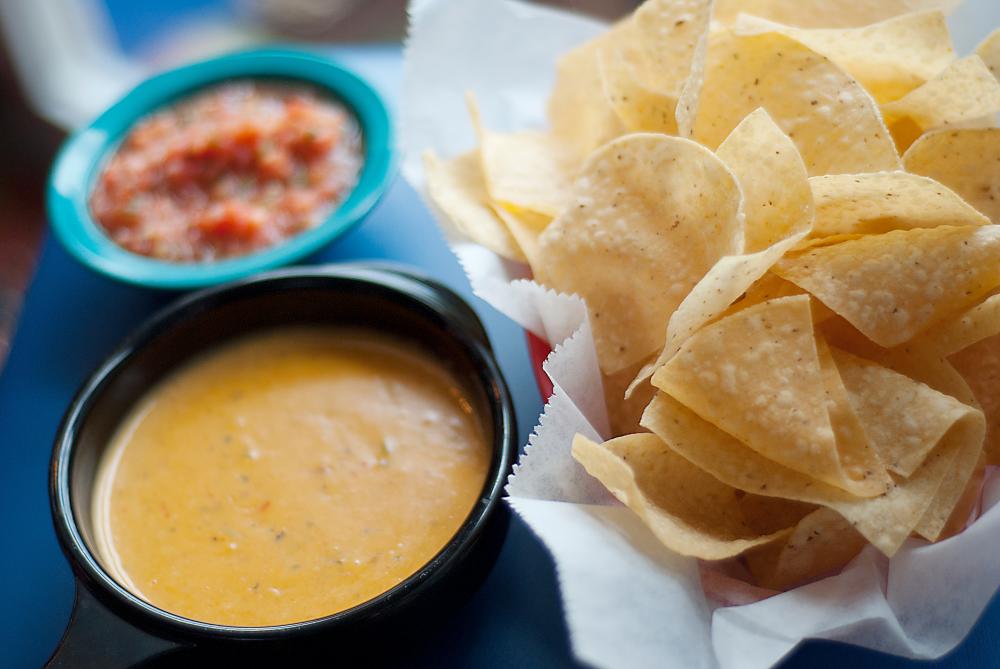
x=782 y=215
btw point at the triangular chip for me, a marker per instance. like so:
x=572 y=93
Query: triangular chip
x=857 y=456
x=666 y=208
x=528 y=171
x=826 y=13
x=776 y=193
x=889 y=58
x=687 y=509
x=456 y=186
x=777 y=202
x=878 y=202
x=891 y=287
x=964 y=91
x=904 y=419
x=979 y=365
x=967 y=161
x=758 y=376
x=821 y=543
x=989 y=51
x=833 y=121
x=886 y=521
x=525 y=227
x=645 y=75
x=579 y=111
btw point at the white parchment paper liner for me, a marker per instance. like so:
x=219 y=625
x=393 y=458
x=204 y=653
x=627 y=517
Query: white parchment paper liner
x=630 y=602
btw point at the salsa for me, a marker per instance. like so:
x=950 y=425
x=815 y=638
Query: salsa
x=234 y=169
x=288 y=475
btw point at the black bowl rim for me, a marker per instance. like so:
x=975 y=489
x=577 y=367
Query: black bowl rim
x=412 y=285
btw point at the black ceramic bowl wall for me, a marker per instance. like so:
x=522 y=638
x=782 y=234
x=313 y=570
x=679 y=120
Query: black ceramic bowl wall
x=110 y=621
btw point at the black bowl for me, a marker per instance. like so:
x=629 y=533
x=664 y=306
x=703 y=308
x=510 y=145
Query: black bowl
x=113 y=627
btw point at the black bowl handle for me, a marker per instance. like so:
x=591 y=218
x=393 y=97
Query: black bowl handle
x=98 y=639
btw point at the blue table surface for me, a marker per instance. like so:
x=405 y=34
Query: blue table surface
x=72 y=318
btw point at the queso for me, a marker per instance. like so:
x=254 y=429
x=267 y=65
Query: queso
x=286 y=476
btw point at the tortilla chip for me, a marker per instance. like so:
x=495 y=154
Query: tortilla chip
x=624 y=411
x=640 y=108
x=857 y=457
x=904 y=419
x=687 y=103
x=528 y=171
x=689 y=511
x=776 y=193
x=833 y=121
x=891 y=287
x=525 y=227
x=989 y=51
x=968 y=435
x=964 y=91
x=666 y=34
x=886 y=521
x=758 y=375
x=820 y=545
x=826 y=13
x=967 y=161
x=889 y=58
x=962 y=331
x=666 y=208
x=979 y=365
x=968 y=503
x=456 y=186
x=778 y=205
x=579 y=111
x=882 y=201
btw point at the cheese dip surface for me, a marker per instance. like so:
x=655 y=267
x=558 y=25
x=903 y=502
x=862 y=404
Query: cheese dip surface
x=286 y=476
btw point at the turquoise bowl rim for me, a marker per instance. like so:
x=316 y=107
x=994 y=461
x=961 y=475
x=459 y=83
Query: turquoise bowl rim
x=82 y=155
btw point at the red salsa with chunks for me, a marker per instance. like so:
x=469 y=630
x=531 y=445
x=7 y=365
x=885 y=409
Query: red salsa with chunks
x=234 y=169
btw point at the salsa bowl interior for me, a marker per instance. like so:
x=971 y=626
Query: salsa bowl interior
x=415 y=311
x=84 y=155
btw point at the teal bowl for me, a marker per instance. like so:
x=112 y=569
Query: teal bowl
x=82 y=156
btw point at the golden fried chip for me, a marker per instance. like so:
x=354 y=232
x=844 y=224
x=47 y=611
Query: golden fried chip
x=967 y=161
x=687 y=103
x=964 y=91
x=826 y=13
x=964 y=330
x=758 y=375
x=456 y=187
x=644 y=76
x=776 y=193
x=664 y=207
x=889 y=58
x=625 y=410
x=528 y=171
x=904 y=419
x=886 y=521
x=989 y=51
x=821 y=544
x=878 y=202
x=833 y=121
x=525 y=227
x=891 y=287
x=639 y=107
x=579 y=111
x=963 y=466
x=967 y=504
x=777 y=202
x=666 y=34
x=979 y=365
x=688 y=510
